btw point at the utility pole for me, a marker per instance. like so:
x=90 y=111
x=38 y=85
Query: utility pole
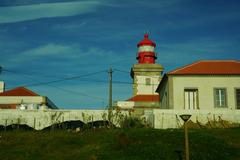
x=110 y=115
x=110 y=88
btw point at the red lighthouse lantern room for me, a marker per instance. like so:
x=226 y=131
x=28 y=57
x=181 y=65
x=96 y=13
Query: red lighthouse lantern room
x=146 y=53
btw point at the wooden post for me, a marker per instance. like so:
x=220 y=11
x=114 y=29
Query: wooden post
x=5 y=127
x=18 y=123
x=63 y=125
x=185 y=118
x=92 y=121
x=34 y=122
x=186 y=141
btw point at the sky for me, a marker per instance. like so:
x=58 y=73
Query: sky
x=63 y=49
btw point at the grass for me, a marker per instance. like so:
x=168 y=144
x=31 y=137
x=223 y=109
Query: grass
x=130 y=144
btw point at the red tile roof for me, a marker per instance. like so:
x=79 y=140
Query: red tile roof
x=20 y=91
x=145 y=98
x=209 y=67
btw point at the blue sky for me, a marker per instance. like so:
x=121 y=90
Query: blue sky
x=74 y=43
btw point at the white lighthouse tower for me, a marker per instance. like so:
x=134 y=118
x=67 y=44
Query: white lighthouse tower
x=146 y=76
x=146 y=73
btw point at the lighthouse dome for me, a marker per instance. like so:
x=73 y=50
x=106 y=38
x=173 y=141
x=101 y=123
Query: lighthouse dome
x=146 y=42
x=146 y=53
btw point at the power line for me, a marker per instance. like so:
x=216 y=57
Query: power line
x=80 y=76
x=64 y=79
x=76 y=92
x=29 y=74
x=130 y=73
x=90 y=80
x=115 y=82
x=66 y=90
x=122 y=71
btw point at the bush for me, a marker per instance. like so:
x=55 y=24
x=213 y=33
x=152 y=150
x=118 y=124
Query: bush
x=132 y=122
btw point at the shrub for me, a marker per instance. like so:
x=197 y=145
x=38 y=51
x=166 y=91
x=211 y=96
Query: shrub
x=132 y=122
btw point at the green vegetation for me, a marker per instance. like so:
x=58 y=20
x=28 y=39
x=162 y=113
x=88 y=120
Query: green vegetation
x=131 y=122
x=120 y=144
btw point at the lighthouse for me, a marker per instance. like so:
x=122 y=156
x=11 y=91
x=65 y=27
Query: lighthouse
x=146 y=74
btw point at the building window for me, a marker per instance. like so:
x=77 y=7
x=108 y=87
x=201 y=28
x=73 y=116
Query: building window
x=220 y=97
x=148 y=81
x=191 y=99
x=238 y=98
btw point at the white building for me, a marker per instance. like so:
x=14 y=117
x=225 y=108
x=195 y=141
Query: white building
x=203 y=85
x=23 y=98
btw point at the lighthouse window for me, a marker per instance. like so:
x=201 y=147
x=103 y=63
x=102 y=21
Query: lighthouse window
x=148 y=81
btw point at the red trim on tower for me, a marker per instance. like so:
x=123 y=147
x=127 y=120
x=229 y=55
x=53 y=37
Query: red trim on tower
x=144 y=98
x=146 y=42
x=147 y=54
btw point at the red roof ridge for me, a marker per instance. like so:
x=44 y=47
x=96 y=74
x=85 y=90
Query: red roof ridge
x=19 y=91
x=200 y=67
x=219 y=60
x=180 y=68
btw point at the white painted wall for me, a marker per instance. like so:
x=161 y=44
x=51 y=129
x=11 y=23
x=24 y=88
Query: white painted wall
x=1 y=87
x=142 y=88
x=164 y=96
x=40 y=119
x=125 y=104
x=22 y=99
x=169 y=118
x=205 y=86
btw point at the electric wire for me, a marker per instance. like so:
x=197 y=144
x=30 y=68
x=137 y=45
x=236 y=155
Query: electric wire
x=79 y=93
x=63 y=79
x=63 y=89
x=118 y=70
x=80 y=77
x=30 y=74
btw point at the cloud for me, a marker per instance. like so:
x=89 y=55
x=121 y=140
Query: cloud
x=50 y=49
x=69 y=27
x=65 y=53
x=160 y=5
x=70 y=50
x=45 y=10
